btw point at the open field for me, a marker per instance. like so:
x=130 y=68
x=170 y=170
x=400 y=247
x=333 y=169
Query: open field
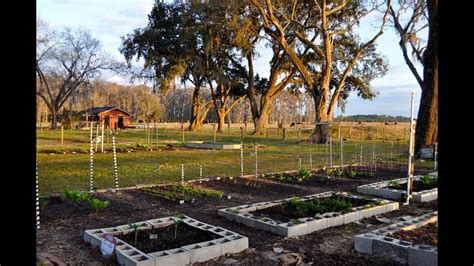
x=67 y=166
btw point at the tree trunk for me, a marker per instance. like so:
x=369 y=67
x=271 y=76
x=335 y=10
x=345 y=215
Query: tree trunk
x=426 y=133
x=221 y=118
x=194 y=123
x=321 y=132
x=54 y=119
x=262 y=120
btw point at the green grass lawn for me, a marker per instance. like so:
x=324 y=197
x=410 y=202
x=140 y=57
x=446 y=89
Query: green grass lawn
x=58 y=171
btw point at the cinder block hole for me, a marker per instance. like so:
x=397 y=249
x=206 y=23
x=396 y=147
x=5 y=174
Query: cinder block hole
x=227 y=233
x=404 y=243
x=140 y=258
x=208 y=227
x=160 y=254
x=423 y=247
x=388 y=239
x=177 y=251
x=218 y=230
x=132 y=253
x=97 y=232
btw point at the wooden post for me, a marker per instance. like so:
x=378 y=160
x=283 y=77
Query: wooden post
x=62 y=135
x=96 y=136
x=214 y=132
x=102 y=139
x=157 y=140
x=350 y=131
x=242 y=133
x=266 y=133
x=284 y=133
x=299 y=134
x=339 y=130
x=182 y=130
x=228 y=126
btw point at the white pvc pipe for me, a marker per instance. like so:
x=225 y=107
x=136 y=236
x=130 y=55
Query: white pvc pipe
x=410 y=149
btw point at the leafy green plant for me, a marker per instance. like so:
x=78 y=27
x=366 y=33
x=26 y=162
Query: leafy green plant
x=429 y=181
x=76 y=197
x=176 y=224
x=333 y=203
x=135 y=231
x=352 y=173
x=394 y=184
x=98 y=204
x=302 y=175
x=180 y=216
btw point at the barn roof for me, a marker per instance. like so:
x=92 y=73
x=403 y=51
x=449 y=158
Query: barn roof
x=99 y=110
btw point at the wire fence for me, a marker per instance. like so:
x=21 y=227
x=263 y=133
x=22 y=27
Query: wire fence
x=142 y=160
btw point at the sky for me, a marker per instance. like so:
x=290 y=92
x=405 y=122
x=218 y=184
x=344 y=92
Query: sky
x=108 y=20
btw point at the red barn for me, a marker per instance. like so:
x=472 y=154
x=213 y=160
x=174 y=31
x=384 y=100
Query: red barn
x=112 y=117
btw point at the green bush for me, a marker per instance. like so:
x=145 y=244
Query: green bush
x=76 y=197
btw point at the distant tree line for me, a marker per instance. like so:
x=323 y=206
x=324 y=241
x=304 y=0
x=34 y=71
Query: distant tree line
x=373 y=118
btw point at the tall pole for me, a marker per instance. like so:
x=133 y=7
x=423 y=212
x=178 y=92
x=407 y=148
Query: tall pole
x=330 y=152
x=200 y=173
x=115 y=164
x=435 y=157
x=342 y=158
x=37 y=201
x=242 y=159
x=91 y=152
x=411 y=152
x=182 y=173
x=256 y=160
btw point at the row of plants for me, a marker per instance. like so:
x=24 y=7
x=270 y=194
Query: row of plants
x=77 y=197
x=182 y=192
x=337 y=171
x=425 y=182
x=300 y=176
x=176 y=223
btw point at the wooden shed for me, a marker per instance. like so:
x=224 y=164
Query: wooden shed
x=112 y=117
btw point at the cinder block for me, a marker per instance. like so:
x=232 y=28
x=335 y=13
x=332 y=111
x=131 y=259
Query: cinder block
x=232 y=244
x=157 y=223
x=363 y=242
x=422 y=255
x=392 y=206
x=419 y=256
x=317 y=224
x=351 y=217
x=203 y=251
x=297 y=229
x=134 y=257
x=88 y=234
x=390 y=248
x=334 y=219
x=176 y=256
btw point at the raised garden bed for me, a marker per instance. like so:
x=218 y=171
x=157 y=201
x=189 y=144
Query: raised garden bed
x=175 y=240
x=301 y=216
x=425 y=188
x=412 y=242
x=181 y=193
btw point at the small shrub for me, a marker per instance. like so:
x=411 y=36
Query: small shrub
x=352 y=173
x=98 y=204
x=135 y=231
x=76 y=197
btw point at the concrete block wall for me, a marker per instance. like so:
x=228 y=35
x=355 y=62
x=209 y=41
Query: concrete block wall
x=242 y=214
x=377 y=242
x=380 y=189
x=227 y=242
